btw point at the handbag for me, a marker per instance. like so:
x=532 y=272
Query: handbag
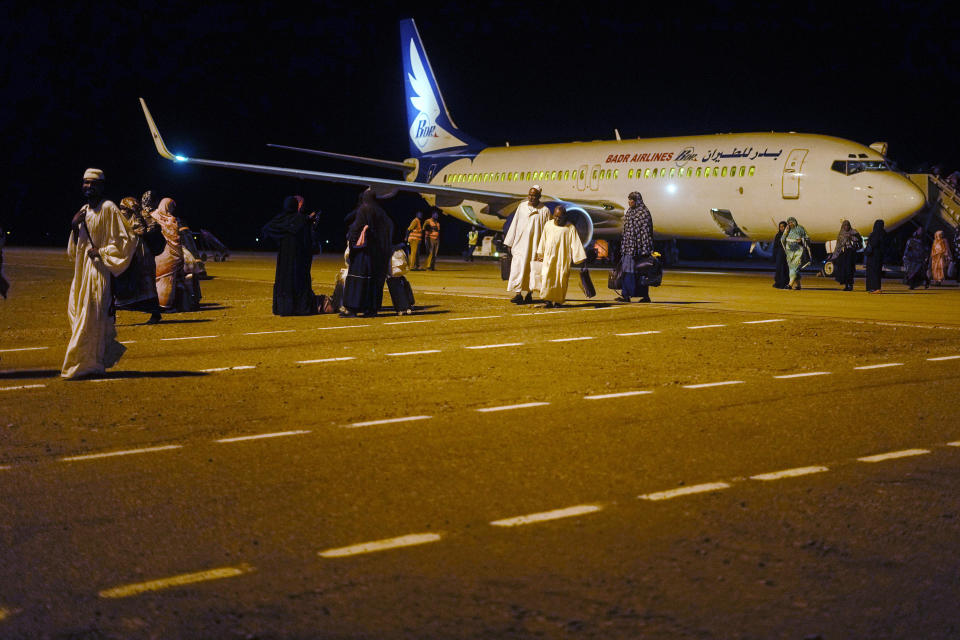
x=586 y=284
x=615 y=279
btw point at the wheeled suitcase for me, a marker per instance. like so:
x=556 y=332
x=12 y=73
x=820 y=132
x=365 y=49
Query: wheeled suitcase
x=401 y=294
x=505 y=261
x=586 y=284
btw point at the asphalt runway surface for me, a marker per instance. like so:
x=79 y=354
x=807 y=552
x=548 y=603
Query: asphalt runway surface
x=729 y=461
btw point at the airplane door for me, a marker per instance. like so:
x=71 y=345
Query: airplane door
x=582 y=177
x=432 y=172
x=792 y=172
x=594 y=179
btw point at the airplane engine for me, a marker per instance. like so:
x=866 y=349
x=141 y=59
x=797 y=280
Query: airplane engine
x=580 y=219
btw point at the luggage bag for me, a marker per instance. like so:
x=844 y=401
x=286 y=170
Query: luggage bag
x=401 y=294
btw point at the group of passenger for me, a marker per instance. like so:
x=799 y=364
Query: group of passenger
x=130 y=257
x=922 y=265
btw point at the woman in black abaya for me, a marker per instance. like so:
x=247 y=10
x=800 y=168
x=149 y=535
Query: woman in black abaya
x=781 y=274
x=359 y=290
x=291 y=229
x=876 y=244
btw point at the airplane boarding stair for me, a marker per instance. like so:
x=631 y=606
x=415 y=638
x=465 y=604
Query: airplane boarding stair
x=943 y=201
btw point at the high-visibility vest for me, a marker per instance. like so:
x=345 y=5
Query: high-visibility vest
x=472 y=238
x=432 y=227
x=415 y=229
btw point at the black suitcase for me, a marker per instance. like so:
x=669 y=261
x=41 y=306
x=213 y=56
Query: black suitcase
x=400 y=293
x=586 y=284
x=505 y=261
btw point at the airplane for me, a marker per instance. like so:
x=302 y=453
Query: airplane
x=734 y=186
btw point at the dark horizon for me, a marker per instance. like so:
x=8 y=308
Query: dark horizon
x=223 y=80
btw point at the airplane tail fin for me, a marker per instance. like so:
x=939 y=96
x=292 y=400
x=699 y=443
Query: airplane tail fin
x=431 y=129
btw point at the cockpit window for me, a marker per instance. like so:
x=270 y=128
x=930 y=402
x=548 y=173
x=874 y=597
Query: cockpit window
x=850 y=167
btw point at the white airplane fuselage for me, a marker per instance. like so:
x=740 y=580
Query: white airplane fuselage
x=756 y=178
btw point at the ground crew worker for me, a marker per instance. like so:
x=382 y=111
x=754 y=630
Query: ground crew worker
x=414 y=236
x=472 y=237
x=431 y=229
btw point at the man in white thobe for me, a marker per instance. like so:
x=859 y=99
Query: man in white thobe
x=101 y=244
x=523 y=237
x=559 y=248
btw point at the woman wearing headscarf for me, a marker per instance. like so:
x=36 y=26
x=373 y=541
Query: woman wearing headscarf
x=939 y=258
x=915 y=256
x=794 y=242
x=876 y=244
x=781 y=274
x=559 y=247
x=359 y=295
x=170 y=262
x=844 y=255
x=291 y=230
x=637 y=243
x=136 y=289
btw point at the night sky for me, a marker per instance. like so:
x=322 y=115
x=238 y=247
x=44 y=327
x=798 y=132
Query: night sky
x=224 y=79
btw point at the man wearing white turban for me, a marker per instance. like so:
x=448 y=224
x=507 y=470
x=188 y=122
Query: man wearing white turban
x=523 y=237
x=101 y=244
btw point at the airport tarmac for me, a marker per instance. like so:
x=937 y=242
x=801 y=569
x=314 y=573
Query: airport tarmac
x=729 y=461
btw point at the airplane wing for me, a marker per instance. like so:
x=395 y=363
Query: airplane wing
x=603 y=214
x=376 y=162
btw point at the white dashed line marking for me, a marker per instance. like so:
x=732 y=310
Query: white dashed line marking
x=381 y=545
x=473 y=318
x=623 y=394
x=572 y=339
x=538 y=313
x=546 y=516
x=371 y=423
x=879 y=366
x=495 y=346
x=789 y=473
x=803 y=375
x=954 y=444
x=127 y=452
x=346 y=326
x=23 y=349
x=137 y=588
x=278 y=434
x=762 y=321
x=685 y=491
x=191 y=338
x=128 y=342
x=508 y=407
x=23 y=386
x=341 y=359
x=414 y=353
x=263 y=333
x=4 y=467
x=712 y=384
x=638 y=333
x=241 y=367
x=893 y=455
x=707 y=326
x=408 y=322
x=944 y=358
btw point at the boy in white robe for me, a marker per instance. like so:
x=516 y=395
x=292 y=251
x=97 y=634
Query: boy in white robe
x=559 y=247
x=101 y=244
x=523 y=237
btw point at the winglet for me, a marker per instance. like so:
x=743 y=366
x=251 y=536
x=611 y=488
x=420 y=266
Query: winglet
x=157 y=140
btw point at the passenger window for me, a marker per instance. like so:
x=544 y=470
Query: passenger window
x=673 y=171
x=583 y=174
x=741 y=171
x=663 y=172
x=751 y=172
x=655 y=173
x=630 y=173
x=616 y=174
x=706 y=172
x=733 y=172
x=715 y=170
x=566 y=174
x=698 y=172
x=594 y=174
x=723 y=172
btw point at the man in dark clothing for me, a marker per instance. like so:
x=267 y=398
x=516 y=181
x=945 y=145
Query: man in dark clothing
x=291 y=229
x=781 y=274
x=916 y=258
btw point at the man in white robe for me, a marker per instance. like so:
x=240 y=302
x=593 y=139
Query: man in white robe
x=523 y=237
x=559 y=247
x=101 y=244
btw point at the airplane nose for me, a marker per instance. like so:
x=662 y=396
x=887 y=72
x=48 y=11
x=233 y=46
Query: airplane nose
x=900 y=200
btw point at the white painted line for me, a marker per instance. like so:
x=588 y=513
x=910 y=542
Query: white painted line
x=955 y=443
x=623 y=394
x=4 y=467
x=408 y=322
x=342 y=359
x=638 y=333
x=685 y=491
x=711 y=384
x=263 y=333
x=572 y=339
x=762 y=321
x=879 y=366
x=944 y=358
x=278 y=434
x=121 y=453
x=128 y=342
x=346 y=326
x=707 y=326
x=23 y=349
x=893 y=455
x=610 y=308
x=23 y=386
x=414 y=353
x=473 y=318
x=243 y=367
x=371 y=423
x=192 y=338
x=127 y=590
x=381 y=545
x=803 y=375
x=513 y=406
x=104 y=380
x=545 y=516
x=495 y=346
x=215 y=370
x=789 y=473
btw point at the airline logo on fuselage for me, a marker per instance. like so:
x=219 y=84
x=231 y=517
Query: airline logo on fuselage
x=689 y=154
